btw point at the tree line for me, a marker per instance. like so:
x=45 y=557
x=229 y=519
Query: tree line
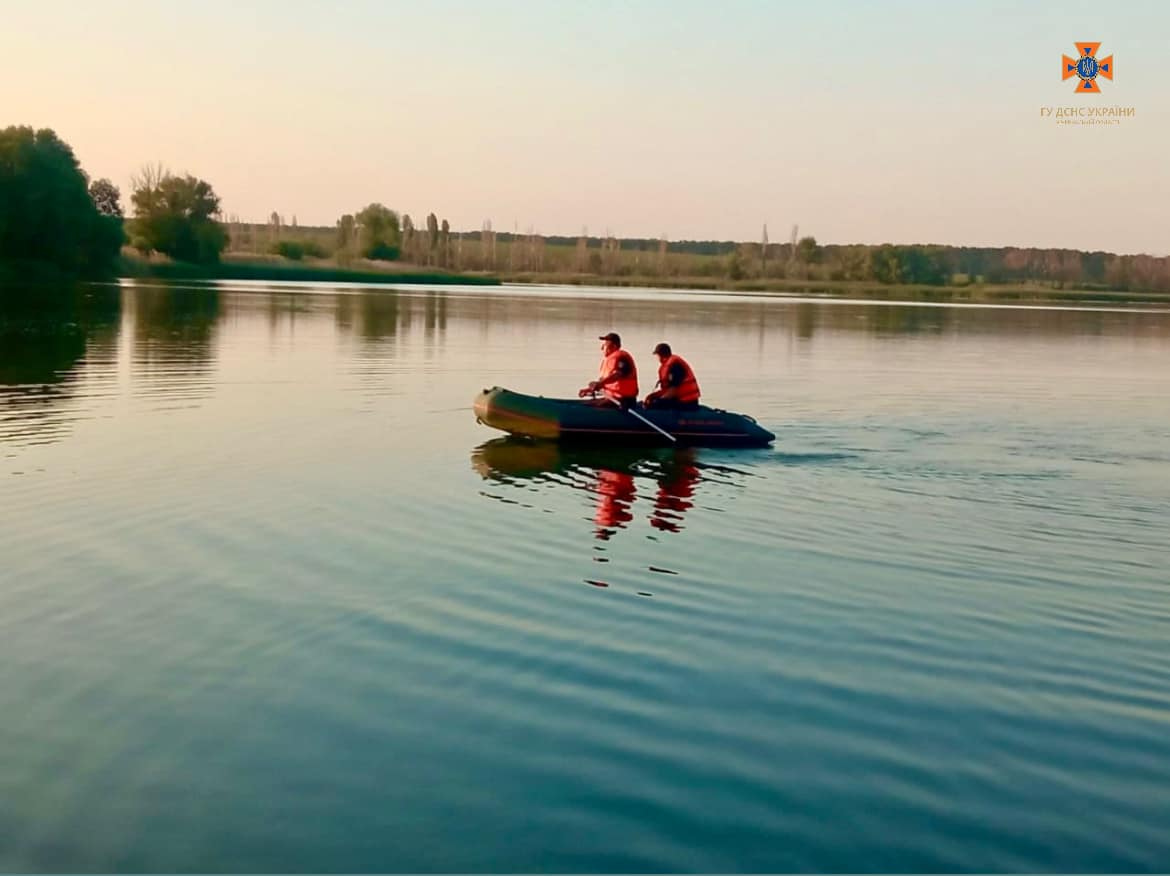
x=937 y=265
x=923 y=264
x=53 y=215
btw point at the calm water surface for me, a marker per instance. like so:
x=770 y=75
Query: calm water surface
x=270 y=599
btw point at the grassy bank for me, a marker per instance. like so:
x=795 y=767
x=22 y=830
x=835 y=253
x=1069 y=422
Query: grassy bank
x=1034 y=293
x=272 y=268
x=288 y=271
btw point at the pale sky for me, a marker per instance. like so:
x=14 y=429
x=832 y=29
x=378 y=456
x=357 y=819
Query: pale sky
x=900 y=122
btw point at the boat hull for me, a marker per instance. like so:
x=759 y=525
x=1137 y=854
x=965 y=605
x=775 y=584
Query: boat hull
x=573 y=421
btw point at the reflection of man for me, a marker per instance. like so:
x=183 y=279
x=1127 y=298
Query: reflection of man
x=676 y=488
x=615 y=494
x=617 y=378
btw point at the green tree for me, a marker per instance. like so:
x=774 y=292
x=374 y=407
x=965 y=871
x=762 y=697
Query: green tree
x=346 y=233
x=807 y=251
x=735 y=266
x=175 y=215
x=432 y=237
x=856 y=263
x=47 y=217
x=106 y=198
x=408 y=237
x=887 y=267
x=380 y=236
x=345 y=229
x=908 y=264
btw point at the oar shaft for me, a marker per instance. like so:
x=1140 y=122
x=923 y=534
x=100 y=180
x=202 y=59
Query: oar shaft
x=653 y=426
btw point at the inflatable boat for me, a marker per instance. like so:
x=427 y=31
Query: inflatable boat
x=601 y=422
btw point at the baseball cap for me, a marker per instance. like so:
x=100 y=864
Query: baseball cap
x=662 y=348
x=612 y=336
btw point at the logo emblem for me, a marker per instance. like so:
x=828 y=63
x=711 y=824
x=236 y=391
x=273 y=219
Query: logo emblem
x=1086 y=67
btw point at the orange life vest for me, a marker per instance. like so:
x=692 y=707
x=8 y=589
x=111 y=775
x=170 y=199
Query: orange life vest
x=627 y=386
x=688 y=390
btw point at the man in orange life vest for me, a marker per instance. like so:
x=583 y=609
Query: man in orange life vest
x=678 y=387
x=617 y=379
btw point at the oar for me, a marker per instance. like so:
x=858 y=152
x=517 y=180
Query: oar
x=673 y=440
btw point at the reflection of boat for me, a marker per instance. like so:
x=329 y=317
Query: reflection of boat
x=511 y=457
x=609 y=473
x=586 y=422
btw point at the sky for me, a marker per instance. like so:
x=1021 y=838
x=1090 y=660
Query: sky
x=876 y=122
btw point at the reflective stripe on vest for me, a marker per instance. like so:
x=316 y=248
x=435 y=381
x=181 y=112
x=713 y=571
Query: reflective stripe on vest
x=626 y=387
x=688 y=389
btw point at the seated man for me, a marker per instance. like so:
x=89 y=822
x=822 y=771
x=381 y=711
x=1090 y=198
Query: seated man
x=677 y=386
x=617 y=378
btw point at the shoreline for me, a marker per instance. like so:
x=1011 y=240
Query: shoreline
x=1021 y=293
x=260 y=269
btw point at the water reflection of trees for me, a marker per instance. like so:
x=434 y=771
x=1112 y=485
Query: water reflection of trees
x=174 y=332
x=368 y=316
x=175 y=324
x=434 y=314
x=801 y=320
x=382 y=315
x=48 y=338
x=379 y=315
x=284 y=308
x=393 y=314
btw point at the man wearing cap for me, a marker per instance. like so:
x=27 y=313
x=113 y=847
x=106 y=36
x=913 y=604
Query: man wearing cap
x=617 y=379
x=677 y=386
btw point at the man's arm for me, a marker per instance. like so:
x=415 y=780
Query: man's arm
x=674 y=378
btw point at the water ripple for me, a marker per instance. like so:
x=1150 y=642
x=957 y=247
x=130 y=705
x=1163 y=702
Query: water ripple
x=258 y=558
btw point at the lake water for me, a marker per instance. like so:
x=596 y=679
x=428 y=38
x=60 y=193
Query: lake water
x=270 y=599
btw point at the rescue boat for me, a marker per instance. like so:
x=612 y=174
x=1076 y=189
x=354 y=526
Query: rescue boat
x=595 y=421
